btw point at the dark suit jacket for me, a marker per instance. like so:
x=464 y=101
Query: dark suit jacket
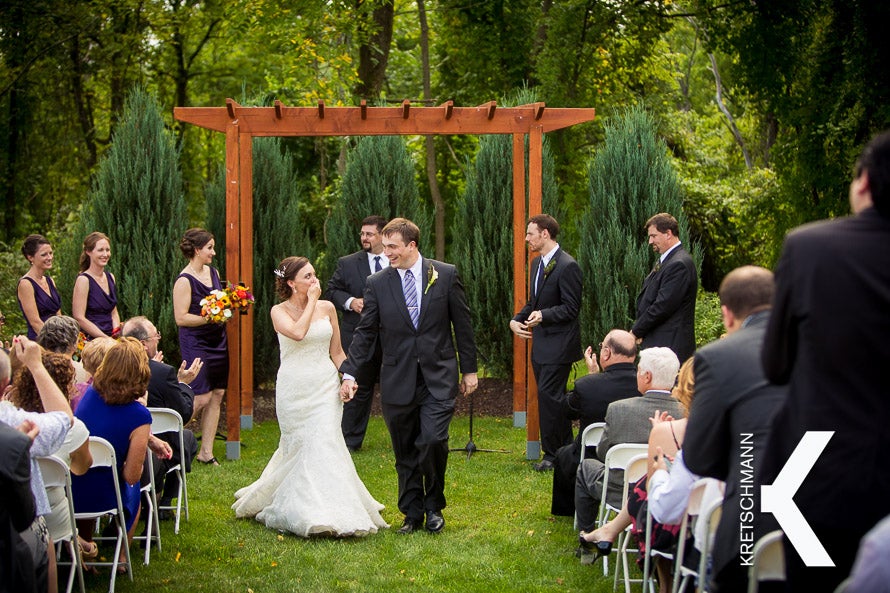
x=429 y=348
x=16 y=500
x=666 y=306
x=829 y=340
x=732 y=398
x=557 y=339
x=348 y=282
x=592 y=395
x=165 y=390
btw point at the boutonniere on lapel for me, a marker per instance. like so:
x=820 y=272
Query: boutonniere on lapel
x=549 y=267
x=434 y=275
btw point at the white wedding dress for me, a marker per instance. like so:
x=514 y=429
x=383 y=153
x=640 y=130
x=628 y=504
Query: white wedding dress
x=310 y=486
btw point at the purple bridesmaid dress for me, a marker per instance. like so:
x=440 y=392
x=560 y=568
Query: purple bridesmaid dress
x=100 y=304
x=207 y=342
x=47 y=304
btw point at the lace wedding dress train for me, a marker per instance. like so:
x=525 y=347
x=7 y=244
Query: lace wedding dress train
x=310 y=486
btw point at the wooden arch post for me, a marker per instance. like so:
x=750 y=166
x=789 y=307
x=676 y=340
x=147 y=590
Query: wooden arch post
x=242 y=124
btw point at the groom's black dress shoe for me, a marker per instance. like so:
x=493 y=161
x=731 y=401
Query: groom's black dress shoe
x=409 y=526
x=435 y=522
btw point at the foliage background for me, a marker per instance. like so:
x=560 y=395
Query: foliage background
x=763 y=107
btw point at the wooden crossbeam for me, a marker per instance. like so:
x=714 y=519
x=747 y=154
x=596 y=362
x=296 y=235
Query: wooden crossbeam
x=376 y=121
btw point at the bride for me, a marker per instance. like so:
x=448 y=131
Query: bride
x=310 y=486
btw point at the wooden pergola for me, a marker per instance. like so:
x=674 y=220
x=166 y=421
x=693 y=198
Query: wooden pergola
x=241 y=124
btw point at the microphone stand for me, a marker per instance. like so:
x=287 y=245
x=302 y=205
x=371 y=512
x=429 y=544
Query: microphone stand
x=471 y=447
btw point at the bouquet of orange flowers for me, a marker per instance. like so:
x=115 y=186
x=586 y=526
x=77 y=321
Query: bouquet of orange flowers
x=219 y=305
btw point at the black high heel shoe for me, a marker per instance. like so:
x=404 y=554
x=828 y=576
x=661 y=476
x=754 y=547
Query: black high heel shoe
x=602 y=548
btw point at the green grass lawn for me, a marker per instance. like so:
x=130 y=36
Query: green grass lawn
x=499 y=535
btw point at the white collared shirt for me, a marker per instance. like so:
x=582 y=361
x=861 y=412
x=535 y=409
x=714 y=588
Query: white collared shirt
x=665 y=254
x=384 y=263
x=545 y=259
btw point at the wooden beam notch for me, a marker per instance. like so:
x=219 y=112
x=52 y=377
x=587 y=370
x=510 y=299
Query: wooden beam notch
x=449 y=109
x=277 y=109
x=364 y=108
x=406 y=107
x=230 y=108
x=539 y=111
x=320 y=109
x=489 y=107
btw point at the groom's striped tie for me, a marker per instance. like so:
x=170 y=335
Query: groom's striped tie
x=411 y=297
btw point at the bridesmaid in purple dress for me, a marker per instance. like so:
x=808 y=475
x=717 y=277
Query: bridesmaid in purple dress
x=94 y=304
x=37 y=295
x=200 y=339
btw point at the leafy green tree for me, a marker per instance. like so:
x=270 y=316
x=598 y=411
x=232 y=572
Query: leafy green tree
x=379 y=179
x=137 y=201
x=631 y=178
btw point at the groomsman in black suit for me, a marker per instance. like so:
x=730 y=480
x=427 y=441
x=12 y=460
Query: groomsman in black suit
x=346 y=289
x=666 y=303
x=550 y=318
x=417 y=309
x=829 y=340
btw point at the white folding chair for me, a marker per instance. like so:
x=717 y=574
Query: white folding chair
x=103 y=456
x=768 y=562
x=165 y=420
x=648 y=580
x=635 y=469
x=682 y=574
x=589 y=438
x=711 y=517
x=56 y=474
x=616 y=459
x=152 y=521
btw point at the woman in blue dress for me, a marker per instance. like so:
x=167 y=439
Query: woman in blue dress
x=94 y=304
x=37 y=295
x=198 y=337
x=111 y=410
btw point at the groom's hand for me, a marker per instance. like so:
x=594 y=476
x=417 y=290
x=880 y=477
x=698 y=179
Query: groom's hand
x=468 y=383
x=347 y=389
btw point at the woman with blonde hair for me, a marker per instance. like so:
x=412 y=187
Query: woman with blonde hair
x=94 y=304
x=110 y=410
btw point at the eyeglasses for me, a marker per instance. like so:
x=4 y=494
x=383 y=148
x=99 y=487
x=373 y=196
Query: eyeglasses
x=603 y=346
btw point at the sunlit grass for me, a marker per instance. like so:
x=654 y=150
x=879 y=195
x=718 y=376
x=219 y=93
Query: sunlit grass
x=499 y=535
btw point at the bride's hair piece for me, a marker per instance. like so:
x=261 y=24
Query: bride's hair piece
x=287 y=270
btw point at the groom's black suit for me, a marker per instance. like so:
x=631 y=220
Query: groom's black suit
x=348 y=282
x=419 y=374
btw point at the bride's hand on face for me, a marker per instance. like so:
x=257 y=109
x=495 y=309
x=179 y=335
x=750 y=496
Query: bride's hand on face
x=314 y=292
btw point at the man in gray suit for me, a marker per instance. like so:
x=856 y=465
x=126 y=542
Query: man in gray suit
x=729 y=421
x=627 y=421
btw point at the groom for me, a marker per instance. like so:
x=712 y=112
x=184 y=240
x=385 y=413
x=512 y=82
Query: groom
x=412 y=307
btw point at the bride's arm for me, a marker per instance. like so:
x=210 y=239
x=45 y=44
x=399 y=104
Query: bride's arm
x=336 y=350
x=284 y=324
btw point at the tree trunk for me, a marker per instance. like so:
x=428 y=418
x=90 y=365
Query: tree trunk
x=374 y=51
x=723 y=109
x=430 y=141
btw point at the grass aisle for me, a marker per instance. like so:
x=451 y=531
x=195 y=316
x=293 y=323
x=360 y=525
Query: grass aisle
x=499 y=535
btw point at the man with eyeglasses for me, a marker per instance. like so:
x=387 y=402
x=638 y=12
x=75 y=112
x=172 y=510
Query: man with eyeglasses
x=588 y=402
x=346 y=290
x=167 y=388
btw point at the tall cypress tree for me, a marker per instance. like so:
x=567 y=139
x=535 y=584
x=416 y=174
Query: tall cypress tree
x=137 y=200
x=630 y=179
x=379 y=179
x=278 y=232
x=483 y=241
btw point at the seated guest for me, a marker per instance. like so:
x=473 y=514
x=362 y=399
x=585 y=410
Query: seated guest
x=167 y=388
x=75 y=450
x=729 y=422
x=587 y=402
x=666 y=436
x=110 y=410
x=17 y=507
x=60 y=334
x=92 y=356
x=52 y=427
x=627 y=421
x=871 y=572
